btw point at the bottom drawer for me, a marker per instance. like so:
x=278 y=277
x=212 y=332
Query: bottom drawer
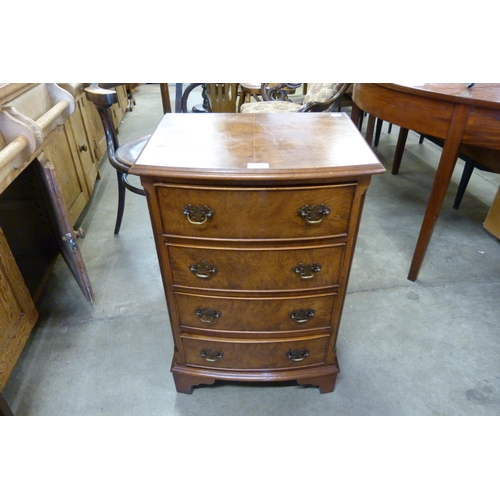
x=247 y=354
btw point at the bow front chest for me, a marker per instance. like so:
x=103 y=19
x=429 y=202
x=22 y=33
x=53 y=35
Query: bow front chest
x=255 y=218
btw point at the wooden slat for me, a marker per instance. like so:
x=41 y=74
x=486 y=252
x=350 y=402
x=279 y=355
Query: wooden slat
x=9 y=91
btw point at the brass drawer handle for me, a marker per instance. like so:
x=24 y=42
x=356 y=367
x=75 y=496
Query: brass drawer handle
x=203 y=270
x=302 y=315
x=197 y=215
x=297 y=355
x=208 y=315
x=211 y=355
x=307 y=271
x=313 y=214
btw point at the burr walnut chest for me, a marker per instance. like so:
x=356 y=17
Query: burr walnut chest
x=255 y=218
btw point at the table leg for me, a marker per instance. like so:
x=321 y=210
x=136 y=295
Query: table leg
x=370 y=126
x=165 y=98
x=441 y=181
x=400 y=148
x=356 y=116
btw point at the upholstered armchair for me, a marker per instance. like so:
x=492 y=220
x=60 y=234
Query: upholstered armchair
x=319 y=97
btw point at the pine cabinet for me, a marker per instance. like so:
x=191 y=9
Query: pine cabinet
x=39 y=206
x=18 y=314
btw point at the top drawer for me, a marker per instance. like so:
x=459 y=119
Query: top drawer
x=265 y=213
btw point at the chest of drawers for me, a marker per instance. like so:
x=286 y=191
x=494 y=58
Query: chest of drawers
x=255 y=220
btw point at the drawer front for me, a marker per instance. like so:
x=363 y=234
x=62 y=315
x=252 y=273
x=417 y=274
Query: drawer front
x=248 y=355
x=255 y=314
x=256 y=269
x=255 y=213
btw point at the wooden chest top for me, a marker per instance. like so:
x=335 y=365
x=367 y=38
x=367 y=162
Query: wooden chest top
x=250 y=147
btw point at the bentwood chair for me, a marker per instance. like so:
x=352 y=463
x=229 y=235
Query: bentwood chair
x=121 y=157
x=253 y=90
x=320 y=97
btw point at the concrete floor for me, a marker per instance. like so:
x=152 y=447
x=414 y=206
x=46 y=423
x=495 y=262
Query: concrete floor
x=426 y=348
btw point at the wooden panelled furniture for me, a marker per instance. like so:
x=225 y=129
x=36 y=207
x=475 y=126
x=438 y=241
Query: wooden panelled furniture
x=50 y=149
x=466 y=119
x=255 y=218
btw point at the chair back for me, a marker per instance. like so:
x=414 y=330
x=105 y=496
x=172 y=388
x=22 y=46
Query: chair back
x=324 y=96
x=103 y=96
x=319 y=92
x=222 y=97
x=278 y=91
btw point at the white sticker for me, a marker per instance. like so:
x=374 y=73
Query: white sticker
x=257 y=165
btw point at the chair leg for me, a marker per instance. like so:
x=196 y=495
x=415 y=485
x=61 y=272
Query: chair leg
x=121 y=201
x=378 y=131
x=466 y=175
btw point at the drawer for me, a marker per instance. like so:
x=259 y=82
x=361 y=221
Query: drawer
x=239 y=354
x=255 y=314
x=276 y=269
x=241 y=213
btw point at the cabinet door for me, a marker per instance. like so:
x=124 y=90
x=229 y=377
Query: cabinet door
x=82 y=147
x=18 y=314
x=95 y=129
x=69 y=171
x=65 y=235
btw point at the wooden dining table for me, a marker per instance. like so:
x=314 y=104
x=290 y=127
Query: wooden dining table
x=461 y=114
